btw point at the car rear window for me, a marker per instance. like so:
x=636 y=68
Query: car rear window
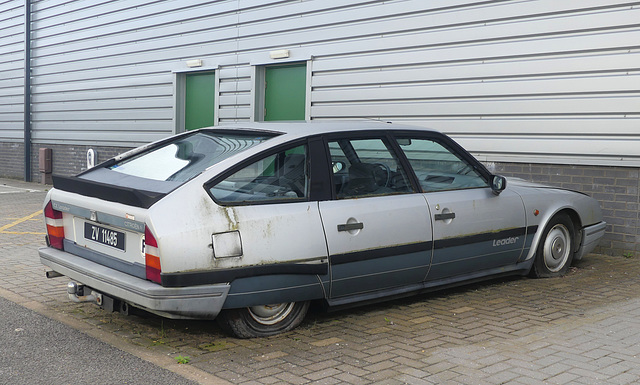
x=187 y=156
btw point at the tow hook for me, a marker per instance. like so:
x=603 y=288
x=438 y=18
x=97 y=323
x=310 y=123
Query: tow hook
x=77 y=294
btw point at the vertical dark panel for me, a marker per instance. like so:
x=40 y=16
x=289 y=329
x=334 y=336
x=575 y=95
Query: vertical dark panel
x=27 y=91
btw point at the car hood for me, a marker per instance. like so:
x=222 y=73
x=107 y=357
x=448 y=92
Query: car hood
x=518 y=182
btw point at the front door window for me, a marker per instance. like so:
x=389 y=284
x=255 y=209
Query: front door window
x=438 y=169
x=366 y=167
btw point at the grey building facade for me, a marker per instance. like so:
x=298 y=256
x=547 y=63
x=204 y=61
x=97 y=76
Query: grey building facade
x=544 y=90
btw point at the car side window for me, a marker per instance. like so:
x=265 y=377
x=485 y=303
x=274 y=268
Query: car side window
x=282 y=176
x=438 y=168
x=366 y=167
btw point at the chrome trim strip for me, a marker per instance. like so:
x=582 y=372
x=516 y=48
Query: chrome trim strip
x=107 y=219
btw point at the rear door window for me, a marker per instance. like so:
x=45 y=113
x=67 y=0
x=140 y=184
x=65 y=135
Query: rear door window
x=282 y=176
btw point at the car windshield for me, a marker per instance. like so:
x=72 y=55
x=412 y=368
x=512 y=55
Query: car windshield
x=187 y=156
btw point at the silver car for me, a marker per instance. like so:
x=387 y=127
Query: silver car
x=249 y=223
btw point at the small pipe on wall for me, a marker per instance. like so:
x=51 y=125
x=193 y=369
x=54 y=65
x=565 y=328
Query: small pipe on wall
x=27 y=90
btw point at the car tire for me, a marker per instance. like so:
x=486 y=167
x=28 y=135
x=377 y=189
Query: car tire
x=263 y=320
x=555 y=249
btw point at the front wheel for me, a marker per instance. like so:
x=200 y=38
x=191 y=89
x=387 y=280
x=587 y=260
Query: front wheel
x=555 y=250
x=263 y=320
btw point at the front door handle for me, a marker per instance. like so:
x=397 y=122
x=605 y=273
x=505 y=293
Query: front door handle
x=351 y=226
x=444 y=216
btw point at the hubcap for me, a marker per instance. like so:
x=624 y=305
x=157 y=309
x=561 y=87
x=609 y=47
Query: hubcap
x=557 y=248
x=271 y=314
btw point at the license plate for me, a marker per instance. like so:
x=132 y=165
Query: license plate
x=104 y=236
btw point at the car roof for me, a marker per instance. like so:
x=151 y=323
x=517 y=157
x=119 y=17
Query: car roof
x=309 y=128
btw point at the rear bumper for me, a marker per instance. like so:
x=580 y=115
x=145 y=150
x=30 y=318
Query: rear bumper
x=203 y=301
x=590 y=238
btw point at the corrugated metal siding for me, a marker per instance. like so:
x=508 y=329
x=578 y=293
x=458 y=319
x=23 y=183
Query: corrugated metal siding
x=11 y=70
x=512 y=80
x=234 y=98
x=95 y=80
x=546 y=81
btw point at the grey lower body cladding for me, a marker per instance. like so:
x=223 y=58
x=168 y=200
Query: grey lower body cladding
x=198 y=302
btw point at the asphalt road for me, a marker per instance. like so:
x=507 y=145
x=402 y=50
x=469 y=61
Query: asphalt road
x=38 y=350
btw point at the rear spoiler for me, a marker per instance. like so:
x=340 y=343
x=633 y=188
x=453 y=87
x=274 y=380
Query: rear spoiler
x=125 y=195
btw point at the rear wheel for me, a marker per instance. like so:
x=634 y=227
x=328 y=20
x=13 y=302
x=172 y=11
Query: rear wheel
x=263 y=320
x=555 y=250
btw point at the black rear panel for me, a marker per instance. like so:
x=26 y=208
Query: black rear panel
x=125 y=195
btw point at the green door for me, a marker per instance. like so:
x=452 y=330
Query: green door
x=199 y=100
x=285 y=92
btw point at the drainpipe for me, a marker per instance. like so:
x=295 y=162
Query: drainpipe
x=27 y=90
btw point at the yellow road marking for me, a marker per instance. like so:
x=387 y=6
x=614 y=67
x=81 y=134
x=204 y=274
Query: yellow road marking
x=18 y=221
x=22 y=232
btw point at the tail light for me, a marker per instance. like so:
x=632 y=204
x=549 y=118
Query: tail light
x=152 y=260
x=55 y=229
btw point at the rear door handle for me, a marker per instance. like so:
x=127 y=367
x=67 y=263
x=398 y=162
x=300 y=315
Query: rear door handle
x=444 y=217
x=351 y=226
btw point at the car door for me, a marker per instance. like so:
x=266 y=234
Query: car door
x=474 y=228
x=377 y=228
x=272 y=229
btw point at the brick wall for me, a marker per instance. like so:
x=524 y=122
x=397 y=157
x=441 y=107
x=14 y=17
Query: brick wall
x=616 y=188
x=11 y=160
x=70 y=160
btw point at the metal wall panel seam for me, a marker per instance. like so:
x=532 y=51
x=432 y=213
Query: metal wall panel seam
x=536 y=68
x=135 y=126
x=526 y=49
x=151 y=91
x=522 y=125
x=531 y=88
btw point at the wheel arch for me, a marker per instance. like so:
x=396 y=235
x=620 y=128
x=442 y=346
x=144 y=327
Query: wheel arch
x=577 y=227
x=577 y=230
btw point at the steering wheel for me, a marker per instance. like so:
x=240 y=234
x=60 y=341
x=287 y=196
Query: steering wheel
x=387 y=172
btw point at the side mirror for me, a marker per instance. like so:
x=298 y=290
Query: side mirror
x=498 y=184
x=338 y=166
